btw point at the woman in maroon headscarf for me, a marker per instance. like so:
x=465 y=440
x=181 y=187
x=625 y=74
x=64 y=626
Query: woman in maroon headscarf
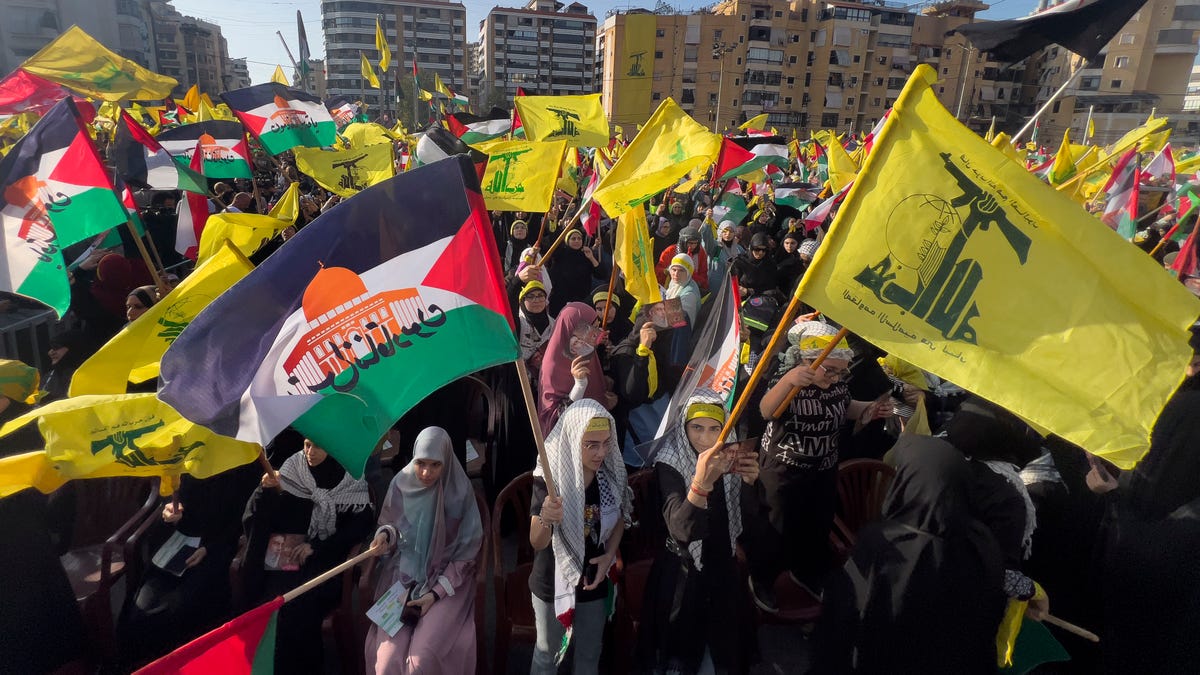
x=431 y=519
x=571 y=369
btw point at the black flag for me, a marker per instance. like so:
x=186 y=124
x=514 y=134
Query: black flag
x=1082 y=26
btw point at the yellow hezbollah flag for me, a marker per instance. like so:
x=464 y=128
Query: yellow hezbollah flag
x=991 y=132
x=756 y=123
x=111 y=436
x=246 y=232
x=368 y=72
x=80 y=63
x=948 y=255
x=842 y=168
x=578 y=120
x=667 y=148
x=521 y=175
x=1063 y=168
x=191 y=100
x=288 y=207
x=279 y=77
x=385 y=52
x=133 y=354
x=1003 y=143
x=635 y=255
x=345 y=172
x=1153 y=126
x=568 y=179
x=362 y=134
x=633 y=68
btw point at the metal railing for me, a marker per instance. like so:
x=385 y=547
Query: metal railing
x=25 y=336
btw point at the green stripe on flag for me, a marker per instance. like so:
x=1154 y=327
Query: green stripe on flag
x=264 y=655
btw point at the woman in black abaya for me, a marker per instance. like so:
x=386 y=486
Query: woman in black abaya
x=923 y=589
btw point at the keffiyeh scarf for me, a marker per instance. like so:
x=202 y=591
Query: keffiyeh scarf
x=348 y=495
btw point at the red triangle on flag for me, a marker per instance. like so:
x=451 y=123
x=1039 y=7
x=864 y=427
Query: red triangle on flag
x=470 y=264
x=732 y=156
x=80 y=165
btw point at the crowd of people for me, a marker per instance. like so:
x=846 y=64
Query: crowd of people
x=982 y=513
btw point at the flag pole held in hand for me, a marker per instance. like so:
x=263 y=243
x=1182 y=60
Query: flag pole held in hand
x=787 y=400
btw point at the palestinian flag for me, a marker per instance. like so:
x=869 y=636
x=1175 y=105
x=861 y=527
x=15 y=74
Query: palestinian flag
x=793 y=198
x=731 y=206
x=172 y=115
x=141 y=160
x=590 y=218
x=369 y=309
x=712 y=366
x=56 y=192
x=343 y=111
x=472 y=129
x=224 y=149
x=192 y=215
x=436 y=144
x=1162 y=166
x=1121 y=210
x=745 y=154
x=282 y=117
x=518 y=128
x=244 y=646
x=817 y=216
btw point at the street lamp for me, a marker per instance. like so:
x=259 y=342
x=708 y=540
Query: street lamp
x=719 y=51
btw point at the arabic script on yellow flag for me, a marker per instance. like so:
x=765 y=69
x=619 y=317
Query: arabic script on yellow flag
x=665 y=150
x=132 y=355
x=635 y=255
x=80 y=63
x=521 y=175
x=246 y=232
x=578 y=120
x=346 y=172
x=110 y=436
x=952 y=257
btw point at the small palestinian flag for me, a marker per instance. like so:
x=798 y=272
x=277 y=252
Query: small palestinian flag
x=436 y=144
x=244 y=646
x=283 y=118
x=817 y=216
x=745 y=154
x=173 y=115
x=142 y=161
x=472 y=129
x=56 y=192
x=369 y=309
x=343 y=111
x=192 y=216
x=1121 y=210
x=791 y=199
x=223 y=143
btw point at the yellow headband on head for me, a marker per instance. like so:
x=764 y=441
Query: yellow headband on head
x=820 y=342
x=710 y=411
x=598 y=424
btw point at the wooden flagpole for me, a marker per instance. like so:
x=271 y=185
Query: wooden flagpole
x=744 y=398
x=612 y=282
x=787 y=400
x=329 y=574
x=1072 y=628
x=562 y=236
x=531 y=408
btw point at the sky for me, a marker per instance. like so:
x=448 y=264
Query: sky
x=249 y=26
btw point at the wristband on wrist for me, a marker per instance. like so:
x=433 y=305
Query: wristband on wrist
x=703 y=493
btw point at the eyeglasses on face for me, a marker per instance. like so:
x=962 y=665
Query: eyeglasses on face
x=836 y=374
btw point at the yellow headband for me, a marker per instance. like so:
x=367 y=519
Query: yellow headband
x=598 y=424
x=820 y=342
x=710 y=411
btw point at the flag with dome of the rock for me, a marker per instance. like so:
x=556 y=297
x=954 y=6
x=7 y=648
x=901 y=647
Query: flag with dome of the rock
x=368 y=310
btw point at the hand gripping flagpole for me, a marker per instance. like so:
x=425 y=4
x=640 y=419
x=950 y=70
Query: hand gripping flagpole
x=787 y=400
x=530 y=408
x=329 y=574
x=566 y=228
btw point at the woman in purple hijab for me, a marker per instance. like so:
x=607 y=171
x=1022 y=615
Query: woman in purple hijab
x=430 y=511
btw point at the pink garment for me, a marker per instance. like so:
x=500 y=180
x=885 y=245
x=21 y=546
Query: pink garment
x=556 y=380
x=443 y=641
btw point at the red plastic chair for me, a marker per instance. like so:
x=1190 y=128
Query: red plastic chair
x=862 y=487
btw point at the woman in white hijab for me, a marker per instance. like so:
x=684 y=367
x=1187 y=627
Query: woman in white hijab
x=430 y=519
x=576 y=536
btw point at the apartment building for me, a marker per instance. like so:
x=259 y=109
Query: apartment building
x=123 y=26
x=430 y=31
x=841 y=64
x=545 y=47
x=188 y=49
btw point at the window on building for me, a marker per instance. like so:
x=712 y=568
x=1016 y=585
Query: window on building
x=850 y=102
x=1177 y=36
x=857 y=58
x=1121 y=62
x=1127 y=38
x=791 y=81
x=660 y=33
x=807 y=79
x=875 y=101
x=778 y=15
x=737 y=81
x=792 y=59
x=945 y=71
x=656 y=96
x=715 y=76
x=805 y=99
x=787 y=100
x=689 y=96
x=829 y=120
x=712 y=98
x=717 y=34
x=691 y=53
x=658 y=55
x=760 y=33
x=795 y=38
x=1115 y=84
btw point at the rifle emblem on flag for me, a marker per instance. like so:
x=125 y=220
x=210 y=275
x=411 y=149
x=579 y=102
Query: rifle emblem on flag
x=635 y=66
x=351 y=174
x=566 y=118
x=945 y=281
x=124 y=450
x=499 y=183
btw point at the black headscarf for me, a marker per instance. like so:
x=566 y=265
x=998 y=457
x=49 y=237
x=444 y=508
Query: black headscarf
x=759 y=275
x=923 y=590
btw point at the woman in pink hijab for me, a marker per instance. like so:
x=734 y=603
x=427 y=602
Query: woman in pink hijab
x=431 y=523
x=571 y=369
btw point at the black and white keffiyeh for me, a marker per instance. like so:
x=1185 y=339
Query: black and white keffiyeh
x=563 y=450
x=678 y=454
x=348 y=495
